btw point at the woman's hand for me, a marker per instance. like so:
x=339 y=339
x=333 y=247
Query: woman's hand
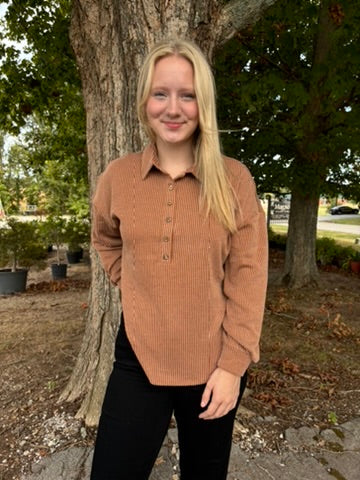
x=223 y=388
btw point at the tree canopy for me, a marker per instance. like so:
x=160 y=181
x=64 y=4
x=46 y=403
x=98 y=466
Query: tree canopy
x=289 y=93
x=40 y=96
x=41 y=77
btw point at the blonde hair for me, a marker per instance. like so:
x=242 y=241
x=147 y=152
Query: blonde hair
x=216 y=192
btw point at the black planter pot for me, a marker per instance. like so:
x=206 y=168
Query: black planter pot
x=58 y=271
x=12 y=282
x=74 y=257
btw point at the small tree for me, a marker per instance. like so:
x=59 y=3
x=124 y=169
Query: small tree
x=77 y=233
x=53 y=231
x=20 y=245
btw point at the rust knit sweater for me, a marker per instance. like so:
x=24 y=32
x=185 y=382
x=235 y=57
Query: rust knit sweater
x=192 y=293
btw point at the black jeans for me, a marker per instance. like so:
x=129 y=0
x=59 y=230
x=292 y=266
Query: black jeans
x=135 y=418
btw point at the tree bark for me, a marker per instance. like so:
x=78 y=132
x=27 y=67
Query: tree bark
x=300 y=260
x=110 y=39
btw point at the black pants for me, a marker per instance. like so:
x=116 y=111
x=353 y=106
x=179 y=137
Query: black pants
x=135 y=418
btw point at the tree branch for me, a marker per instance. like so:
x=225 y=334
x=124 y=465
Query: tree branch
x=282 y=66
x=346 y=99
x=238 y=14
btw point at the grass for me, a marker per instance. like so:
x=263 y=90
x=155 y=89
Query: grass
x=347 y=221
x=323 y=210
x=344 y=239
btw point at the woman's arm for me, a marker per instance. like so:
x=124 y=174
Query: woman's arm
x=245 y=282
x=105 y=236
x=244 y=287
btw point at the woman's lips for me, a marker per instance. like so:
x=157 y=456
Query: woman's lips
x=172 y=125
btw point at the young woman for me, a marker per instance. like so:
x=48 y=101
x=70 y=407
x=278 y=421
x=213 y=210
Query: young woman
x=180 y=231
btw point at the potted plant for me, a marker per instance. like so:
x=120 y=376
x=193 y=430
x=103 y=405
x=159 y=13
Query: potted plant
x=54 y=233
x=352 y=260
x=355 y=262
x=20 y=245
x=77 y=235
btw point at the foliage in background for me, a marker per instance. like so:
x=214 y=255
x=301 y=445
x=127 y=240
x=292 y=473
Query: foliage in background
x=57 y=230
x=289 y=93
x=21 y=245
x=77 y=233
x=328 y=251
x=40 y=96
x=295 y=120
x=44 y=69
x=53 y=232
x=18 y=185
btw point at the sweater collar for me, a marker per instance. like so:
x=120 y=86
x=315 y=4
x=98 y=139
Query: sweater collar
x=149 y=159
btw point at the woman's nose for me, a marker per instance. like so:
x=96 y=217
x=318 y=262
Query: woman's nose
x=173 y=105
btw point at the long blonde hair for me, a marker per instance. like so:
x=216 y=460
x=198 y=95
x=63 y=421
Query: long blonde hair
x=216 y=192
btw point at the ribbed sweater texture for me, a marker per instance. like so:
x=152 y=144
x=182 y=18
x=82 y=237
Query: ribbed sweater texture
x=192 y=293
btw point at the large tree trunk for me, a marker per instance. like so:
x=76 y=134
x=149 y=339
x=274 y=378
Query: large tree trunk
x=300 y=262
x=110 y=39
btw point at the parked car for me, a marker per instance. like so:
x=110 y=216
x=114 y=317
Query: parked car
x=343 y=209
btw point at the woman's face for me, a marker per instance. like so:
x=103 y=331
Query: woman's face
x=172 y=109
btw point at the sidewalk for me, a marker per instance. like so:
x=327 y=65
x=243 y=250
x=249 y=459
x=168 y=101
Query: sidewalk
x=331 y=454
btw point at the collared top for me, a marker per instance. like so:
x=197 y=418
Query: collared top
x=192 y=293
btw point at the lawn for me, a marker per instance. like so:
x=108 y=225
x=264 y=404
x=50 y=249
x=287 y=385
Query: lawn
x=347 y=221
x=344 y=239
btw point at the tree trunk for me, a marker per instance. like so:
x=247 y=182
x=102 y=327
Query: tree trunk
x=310 y=169
x=300 y=261
x=110 y=39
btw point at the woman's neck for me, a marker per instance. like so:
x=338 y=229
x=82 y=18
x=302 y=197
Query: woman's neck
x=175 y=159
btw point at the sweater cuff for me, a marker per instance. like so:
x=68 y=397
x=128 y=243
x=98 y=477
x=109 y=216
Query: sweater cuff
x=234 y=358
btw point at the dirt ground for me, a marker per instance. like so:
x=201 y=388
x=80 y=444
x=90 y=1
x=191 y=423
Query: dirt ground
x=309 y=373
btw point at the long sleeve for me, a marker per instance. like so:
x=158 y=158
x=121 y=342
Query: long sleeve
x=106 y=237
x=245 y=282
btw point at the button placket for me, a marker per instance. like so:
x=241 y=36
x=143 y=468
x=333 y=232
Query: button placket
x=166 y=239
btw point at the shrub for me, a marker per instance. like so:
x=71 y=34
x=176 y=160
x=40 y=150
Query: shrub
x=53 y=231
x=327 y=251
x=277 y=240
x=21 y=245
x=77 y=233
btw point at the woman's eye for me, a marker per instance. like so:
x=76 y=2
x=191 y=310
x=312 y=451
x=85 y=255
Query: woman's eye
x=159 y=94
x=188 y=96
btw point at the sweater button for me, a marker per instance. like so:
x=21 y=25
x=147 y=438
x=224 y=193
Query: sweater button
x=165 y=239
x=168 y=219
x=171 y=186
x=165 y=256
